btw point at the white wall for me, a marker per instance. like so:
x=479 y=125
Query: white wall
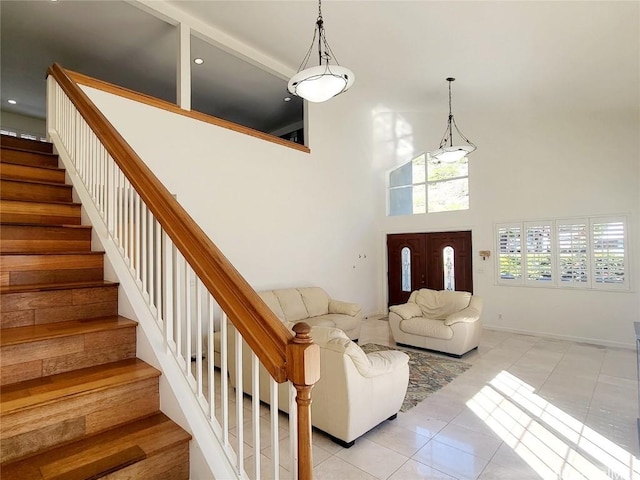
x=283 y=217
x=23 y=123
x=287 y=218
x=548 y=165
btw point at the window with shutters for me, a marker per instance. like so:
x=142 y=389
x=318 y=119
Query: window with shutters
x=427 y=185
x=577 y=252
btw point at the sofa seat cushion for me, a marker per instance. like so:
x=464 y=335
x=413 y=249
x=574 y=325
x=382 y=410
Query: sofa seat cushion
x=439 y=304
x=426 y=327
x=343 y=322
x=318 y=321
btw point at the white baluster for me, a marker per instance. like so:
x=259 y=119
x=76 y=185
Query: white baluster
x=293 y=430
x=187 y=325
x=157 y=232
x=198 y=349
x=239 y=400
x=275 y=437
x=224 y=368
x=255 y=404
x=211 y=358
x=167 y=280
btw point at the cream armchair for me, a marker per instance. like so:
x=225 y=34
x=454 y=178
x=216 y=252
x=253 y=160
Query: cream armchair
x=356 y=391
x=445 y=321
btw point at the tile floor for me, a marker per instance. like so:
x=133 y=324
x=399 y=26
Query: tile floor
x=529 y=407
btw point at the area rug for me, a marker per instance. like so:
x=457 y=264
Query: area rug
x=427 y=373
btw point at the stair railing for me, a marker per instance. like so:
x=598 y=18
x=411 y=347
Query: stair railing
x=190 y=288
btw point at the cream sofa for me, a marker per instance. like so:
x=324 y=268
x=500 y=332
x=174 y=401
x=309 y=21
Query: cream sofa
x=441 y=320
x=356 y=391
x=314 y=306
x=311 y=305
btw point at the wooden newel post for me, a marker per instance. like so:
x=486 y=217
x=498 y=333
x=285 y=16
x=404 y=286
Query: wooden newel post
x=303 y=369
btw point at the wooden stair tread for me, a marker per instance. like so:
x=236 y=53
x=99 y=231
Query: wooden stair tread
x=28 y=144
x=26 y=150
x=43 y=225
x=35 y=333
x=43 y=167
x=35 y=202
x=91 y=252
x=40 y=391
x=36 y=182
x=98 y=455
x=41 y=287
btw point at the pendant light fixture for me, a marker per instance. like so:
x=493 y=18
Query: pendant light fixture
x=447 y=151
x=318 y=84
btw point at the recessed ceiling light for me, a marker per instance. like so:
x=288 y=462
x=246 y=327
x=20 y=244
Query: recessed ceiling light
x=12 y=102
x=287 y=99
x=198 y=61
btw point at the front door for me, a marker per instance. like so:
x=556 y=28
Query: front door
x=439 y=261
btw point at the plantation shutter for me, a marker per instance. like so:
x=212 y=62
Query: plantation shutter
x=539 y=263
x=510 y=253
x=573 y=252
x=608 y=241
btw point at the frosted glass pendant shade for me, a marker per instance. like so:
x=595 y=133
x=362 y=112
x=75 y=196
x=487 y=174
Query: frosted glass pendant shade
x=320 y=83
x=452 y=154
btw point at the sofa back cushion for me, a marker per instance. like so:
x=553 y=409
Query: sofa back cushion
x=439 y=304
x=291 y=303
x=273 y=303
x=316 y=300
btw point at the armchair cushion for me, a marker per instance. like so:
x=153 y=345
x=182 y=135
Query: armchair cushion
x=407 y=311
x=439 y=304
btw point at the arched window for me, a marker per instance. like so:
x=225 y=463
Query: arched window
x=405 y=255
x=449 y=268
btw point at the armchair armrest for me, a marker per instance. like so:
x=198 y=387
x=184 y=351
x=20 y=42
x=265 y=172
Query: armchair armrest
x=344 y=308
x=468 y=315
x=407 y=310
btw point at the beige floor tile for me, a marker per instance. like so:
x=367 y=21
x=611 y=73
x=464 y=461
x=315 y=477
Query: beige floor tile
x=374 y=459
x=397 y=438
x=334 y=468
x=413 y=470
x=469 y=441
x=450 y=460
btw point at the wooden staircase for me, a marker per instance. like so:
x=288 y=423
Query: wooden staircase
x=75 y=402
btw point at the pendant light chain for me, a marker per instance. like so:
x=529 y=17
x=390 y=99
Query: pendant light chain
x=450 y=114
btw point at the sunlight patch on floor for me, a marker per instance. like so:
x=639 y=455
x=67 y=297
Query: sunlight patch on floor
x=553 y=443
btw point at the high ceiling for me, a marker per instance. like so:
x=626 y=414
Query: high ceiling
x=506 y=55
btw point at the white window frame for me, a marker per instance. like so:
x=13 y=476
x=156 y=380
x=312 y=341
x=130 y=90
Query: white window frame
x=555 y=243
x=426 y=184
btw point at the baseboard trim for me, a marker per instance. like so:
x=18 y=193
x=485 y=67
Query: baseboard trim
x=569 y=338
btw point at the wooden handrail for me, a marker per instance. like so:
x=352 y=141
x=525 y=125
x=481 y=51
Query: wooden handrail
x=265 y=334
